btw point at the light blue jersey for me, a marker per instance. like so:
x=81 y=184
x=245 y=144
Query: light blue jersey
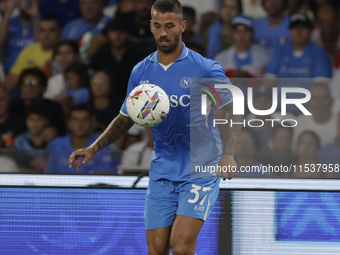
x=312 y=63
x=171 y=155
x=271 y=37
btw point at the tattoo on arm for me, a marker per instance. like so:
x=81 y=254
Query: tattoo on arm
x=231 y=132
x=114 y=131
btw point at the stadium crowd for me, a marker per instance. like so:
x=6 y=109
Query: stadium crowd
x=65 y=66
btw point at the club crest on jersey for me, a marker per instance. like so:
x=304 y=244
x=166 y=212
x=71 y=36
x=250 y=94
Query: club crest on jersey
x=185 y=82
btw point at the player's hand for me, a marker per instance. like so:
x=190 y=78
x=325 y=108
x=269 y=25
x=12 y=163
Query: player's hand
x=228 y=162
x=87 y=153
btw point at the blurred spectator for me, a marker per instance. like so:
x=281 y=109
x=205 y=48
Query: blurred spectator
x=326 y=34
x=37 y=54
x=118 y=58
x=244 y=59
x=32 y=83
x=279 y=147
x=16 y=32
x=300 y=58
x=307 y=150
x=10 y=124
x=247 y=147
x=138 y=23
x=111 y=7
x=85 y=28
x=272 y=31
x=323 y=120
x=37 y=119
x=32 y=156
x=124 y=6
x=206 y=13
x=294 y=6
x=315 y=5
x=80 y=125
x=330 y=152
x=262 y=100
x=63 y=10
x=138 y=156
x=77 y=83
x=66 y=53
x=189 y=14
x=134 y=135
x=253 y=8
x=102 y=105
x=218 y=37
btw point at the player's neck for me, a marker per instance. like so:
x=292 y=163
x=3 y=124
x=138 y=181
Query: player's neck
x=168 y=58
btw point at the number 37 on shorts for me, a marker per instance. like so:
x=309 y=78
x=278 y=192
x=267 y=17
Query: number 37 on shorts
x=200 y=199
x=195 y=189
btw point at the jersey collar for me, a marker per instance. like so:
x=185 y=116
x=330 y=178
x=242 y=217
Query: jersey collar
x=184 y=54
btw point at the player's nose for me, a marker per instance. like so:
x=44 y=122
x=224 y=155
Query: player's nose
x=163 y=33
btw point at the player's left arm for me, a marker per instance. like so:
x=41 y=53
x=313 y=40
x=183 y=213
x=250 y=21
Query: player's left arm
x=229 y=135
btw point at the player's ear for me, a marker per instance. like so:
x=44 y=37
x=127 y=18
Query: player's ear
x=183 y=25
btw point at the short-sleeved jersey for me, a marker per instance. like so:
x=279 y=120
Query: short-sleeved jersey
x=253 y=61
x=313 y=62
x=171 y=155
x=32 y=56
x=271 y=37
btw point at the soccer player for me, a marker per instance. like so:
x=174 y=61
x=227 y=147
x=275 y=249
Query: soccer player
x=170 y=216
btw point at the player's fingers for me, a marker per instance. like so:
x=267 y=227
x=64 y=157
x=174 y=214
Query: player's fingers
x=70 y=159
x=76 y=163
x=87 y=158
x=73 y=159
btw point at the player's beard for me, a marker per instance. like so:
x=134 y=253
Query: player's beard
x=171 y=47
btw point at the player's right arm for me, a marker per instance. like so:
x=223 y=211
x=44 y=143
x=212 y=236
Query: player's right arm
x=113 y=132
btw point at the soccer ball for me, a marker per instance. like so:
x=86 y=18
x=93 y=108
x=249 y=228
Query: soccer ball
x=148 y=105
